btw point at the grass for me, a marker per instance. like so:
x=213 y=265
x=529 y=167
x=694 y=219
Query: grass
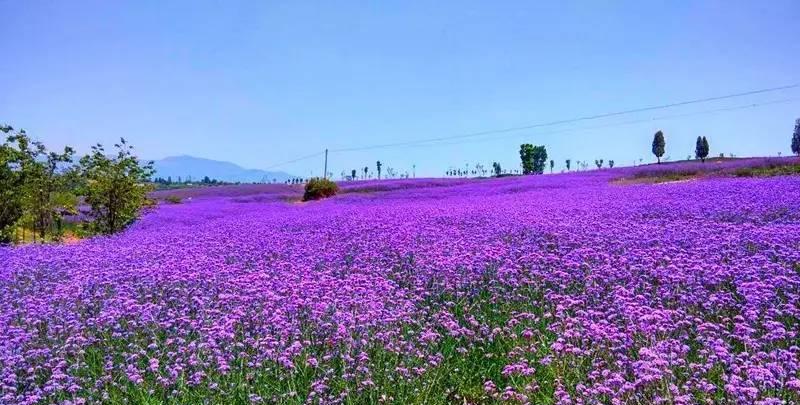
x=173 y=199
x=666 y=176
x=774 y=170
x=657 y=179
x=69 y=231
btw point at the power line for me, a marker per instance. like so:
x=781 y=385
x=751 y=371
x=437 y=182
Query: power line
x=294 y=160
x=572 y=120
x=433 y=141
x=630 y=122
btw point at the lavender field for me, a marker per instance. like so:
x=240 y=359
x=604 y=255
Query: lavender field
x=569 y=289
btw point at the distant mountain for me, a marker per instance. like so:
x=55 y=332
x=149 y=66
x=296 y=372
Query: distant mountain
x=195 y=168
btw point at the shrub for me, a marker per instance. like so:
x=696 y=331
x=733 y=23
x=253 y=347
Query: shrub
x=317 y=188
x=173 y=199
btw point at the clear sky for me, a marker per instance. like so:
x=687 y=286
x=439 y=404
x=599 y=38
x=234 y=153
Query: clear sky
x=262 y=82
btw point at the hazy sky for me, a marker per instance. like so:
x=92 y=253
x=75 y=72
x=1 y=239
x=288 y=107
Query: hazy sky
x=261 y=82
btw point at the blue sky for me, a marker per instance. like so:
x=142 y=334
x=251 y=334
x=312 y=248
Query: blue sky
x=259 y=83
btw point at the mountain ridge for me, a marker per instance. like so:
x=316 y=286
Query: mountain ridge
x=195 y=168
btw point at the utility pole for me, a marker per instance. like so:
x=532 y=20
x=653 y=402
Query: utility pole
x=325 y=173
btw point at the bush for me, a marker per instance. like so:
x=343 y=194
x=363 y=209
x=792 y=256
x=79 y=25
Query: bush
x=317 y=188
x=173 y=199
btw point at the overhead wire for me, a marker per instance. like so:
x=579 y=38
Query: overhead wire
x=572 y=120
x=438 y=141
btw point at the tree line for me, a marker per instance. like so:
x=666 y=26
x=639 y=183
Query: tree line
x=364 y=173
x=107 y=190
x=533 y=159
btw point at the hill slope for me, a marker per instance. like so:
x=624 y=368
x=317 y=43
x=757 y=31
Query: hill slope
x=195 y=168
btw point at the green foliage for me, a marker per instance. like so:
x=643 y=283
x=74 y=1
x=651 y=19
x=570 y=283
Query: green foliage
x=568 y=162
x=116 y=187
x=38 y=187
x=379 y=165
x=533 y=158
x=659 y=145
x=701 y=149
x=496 y=169
x=318 y=188
x=796 y=138
x=173 y=199
x=768 y=171
x=10 y=189
x=39 y=184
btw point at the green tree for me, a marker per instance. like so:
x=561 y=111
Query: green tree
x=796 y=138
x=659 y=145
x=116 y=187
x=568 y=162
x=526 y=156
x=47 y=181
x=533 y=158
x=698 y=147
x=701 y=149
x=552 y=164
x=497 y=169
x=10 y=189
x=611 y=164
x=378 y=164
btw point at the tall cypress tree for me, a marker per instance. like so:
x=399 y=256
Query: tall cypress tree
x=701 y=148
x=659 y=144
x=698 y=148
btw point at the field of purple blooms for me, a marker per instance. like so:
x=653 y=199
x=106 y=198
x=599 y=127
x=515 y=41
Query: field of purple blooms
x=569 y=289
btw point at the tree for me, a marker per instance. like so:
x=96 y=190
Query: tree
x=598 y=163
x=366 y=169
x=611 y=164
x=116 y=187
x=568 y=162
x=10 y=189
x=497 y=169
x=526 y=156
x=698 y=147
x=552 y=164
x=701 y=149
x=533 y=158
x=45 y=183
x=659 y=145
x=796 y=138
x=479 y=170
x=353 y=174
x=378 y=164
